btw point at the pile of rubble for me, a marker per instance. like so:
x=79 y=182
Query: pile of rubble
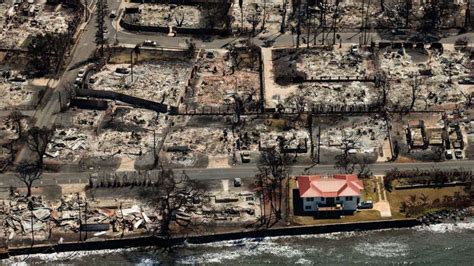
x=219 y=80
x=87 y=118
x=186 y=16
x=162 y=81
x=253 y=15
x=229 y=208
x=9 y=130
x=398 y=64
x=219 y=90
x=185 y=144
x=118 y=131
x=451 y=64
x=24 y=19
x=14 y=94
x=69 y=144
x=130 y=132
x=72 y=214
x=367 y=135
x=432 y=80
x=293 y=139
x=336 y=94
x=321 y=63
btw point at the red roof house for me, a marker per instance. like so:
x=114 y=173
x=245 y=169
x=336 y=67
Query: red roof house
x=341 y=190
x=339 y=186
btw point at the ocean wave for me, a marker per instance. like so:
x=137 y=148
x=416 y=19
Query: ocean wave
x=304 y=262
x=63 y=256
x=383 y=249
x=247 y=248
x=446 y=227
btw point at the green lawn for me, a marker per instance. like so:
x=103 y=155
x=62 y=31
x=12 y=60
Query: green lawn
x=396 y=197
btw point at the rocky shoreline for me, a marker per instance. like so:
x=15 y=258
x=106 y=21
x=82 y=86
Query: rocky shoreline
x=446 y=216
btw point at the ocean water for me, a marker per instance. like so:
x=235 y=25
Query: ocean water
x=440 y=244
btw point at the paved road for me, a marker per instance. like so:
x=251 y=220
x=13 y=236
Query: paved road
x=243 y=171
x=46 y=113
x=281 y=40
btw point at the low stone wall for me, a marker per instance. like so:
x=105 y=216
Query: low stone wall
x=89 y=104
x=158 y=107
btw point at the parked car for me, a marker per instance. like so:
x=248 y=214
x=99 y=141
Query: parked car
x=245 y=157
x=113 y=14
x=466 y=80
x=237 y=182
x=354 y=49
x=398 y=32
x=78 y=81
x=458 y=154
x=122 y=70
x=81 y=73
x=366 y=205
x=92 y=80
x=150 y=43
x=448 y=154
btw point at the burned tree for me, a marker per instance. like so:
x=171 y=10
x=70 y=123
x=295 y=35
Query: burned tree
x=15 y=117
x=349 y=162
x=191 y=48
x=46 y=52
x=37 y=140
x=414 y=89
x=101 y=28
x=28 y=173
x=170 y=194
x=299 y=101
x=344 y=161
x=272 y=172
x=254 y=19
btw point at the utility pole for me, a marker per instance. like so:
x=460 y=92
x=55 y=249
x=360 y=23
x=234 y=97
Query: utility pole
x=123 y=221
x=334 y=21
x=362 y=22
x=323 y=20
x=154 y=145
x=366 y=23
x=87 y=9
x=308 y=24
x=30 y=207
x=283 y=26
x=131 y=64
x=85 y=220
x=298 y=25
x=80 y=221
x=116 y=31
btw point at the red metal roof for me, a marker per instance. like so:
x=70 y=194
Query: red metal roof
x=339 y=186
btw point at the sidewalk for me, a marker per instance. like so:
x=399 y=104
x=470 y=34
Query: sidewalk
x=383 y=206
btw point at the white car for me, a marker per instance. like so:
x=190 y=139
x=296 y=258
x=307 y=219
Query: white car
x=150 y=43
x=78 y=81
x=355 y=49
x=81 y=73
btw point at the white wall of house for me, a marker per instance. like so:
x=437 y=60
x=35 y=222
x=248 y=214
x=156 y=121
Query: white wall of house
x=348 y=203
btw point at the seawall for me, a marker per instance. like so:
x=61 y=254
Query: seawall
x=199 y=239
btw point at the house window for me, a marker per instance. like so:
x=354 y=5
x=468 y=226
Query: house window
x=337 y=198
x=307 y=207
x=309 y=199
x=322 y=199
x=349 y=198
